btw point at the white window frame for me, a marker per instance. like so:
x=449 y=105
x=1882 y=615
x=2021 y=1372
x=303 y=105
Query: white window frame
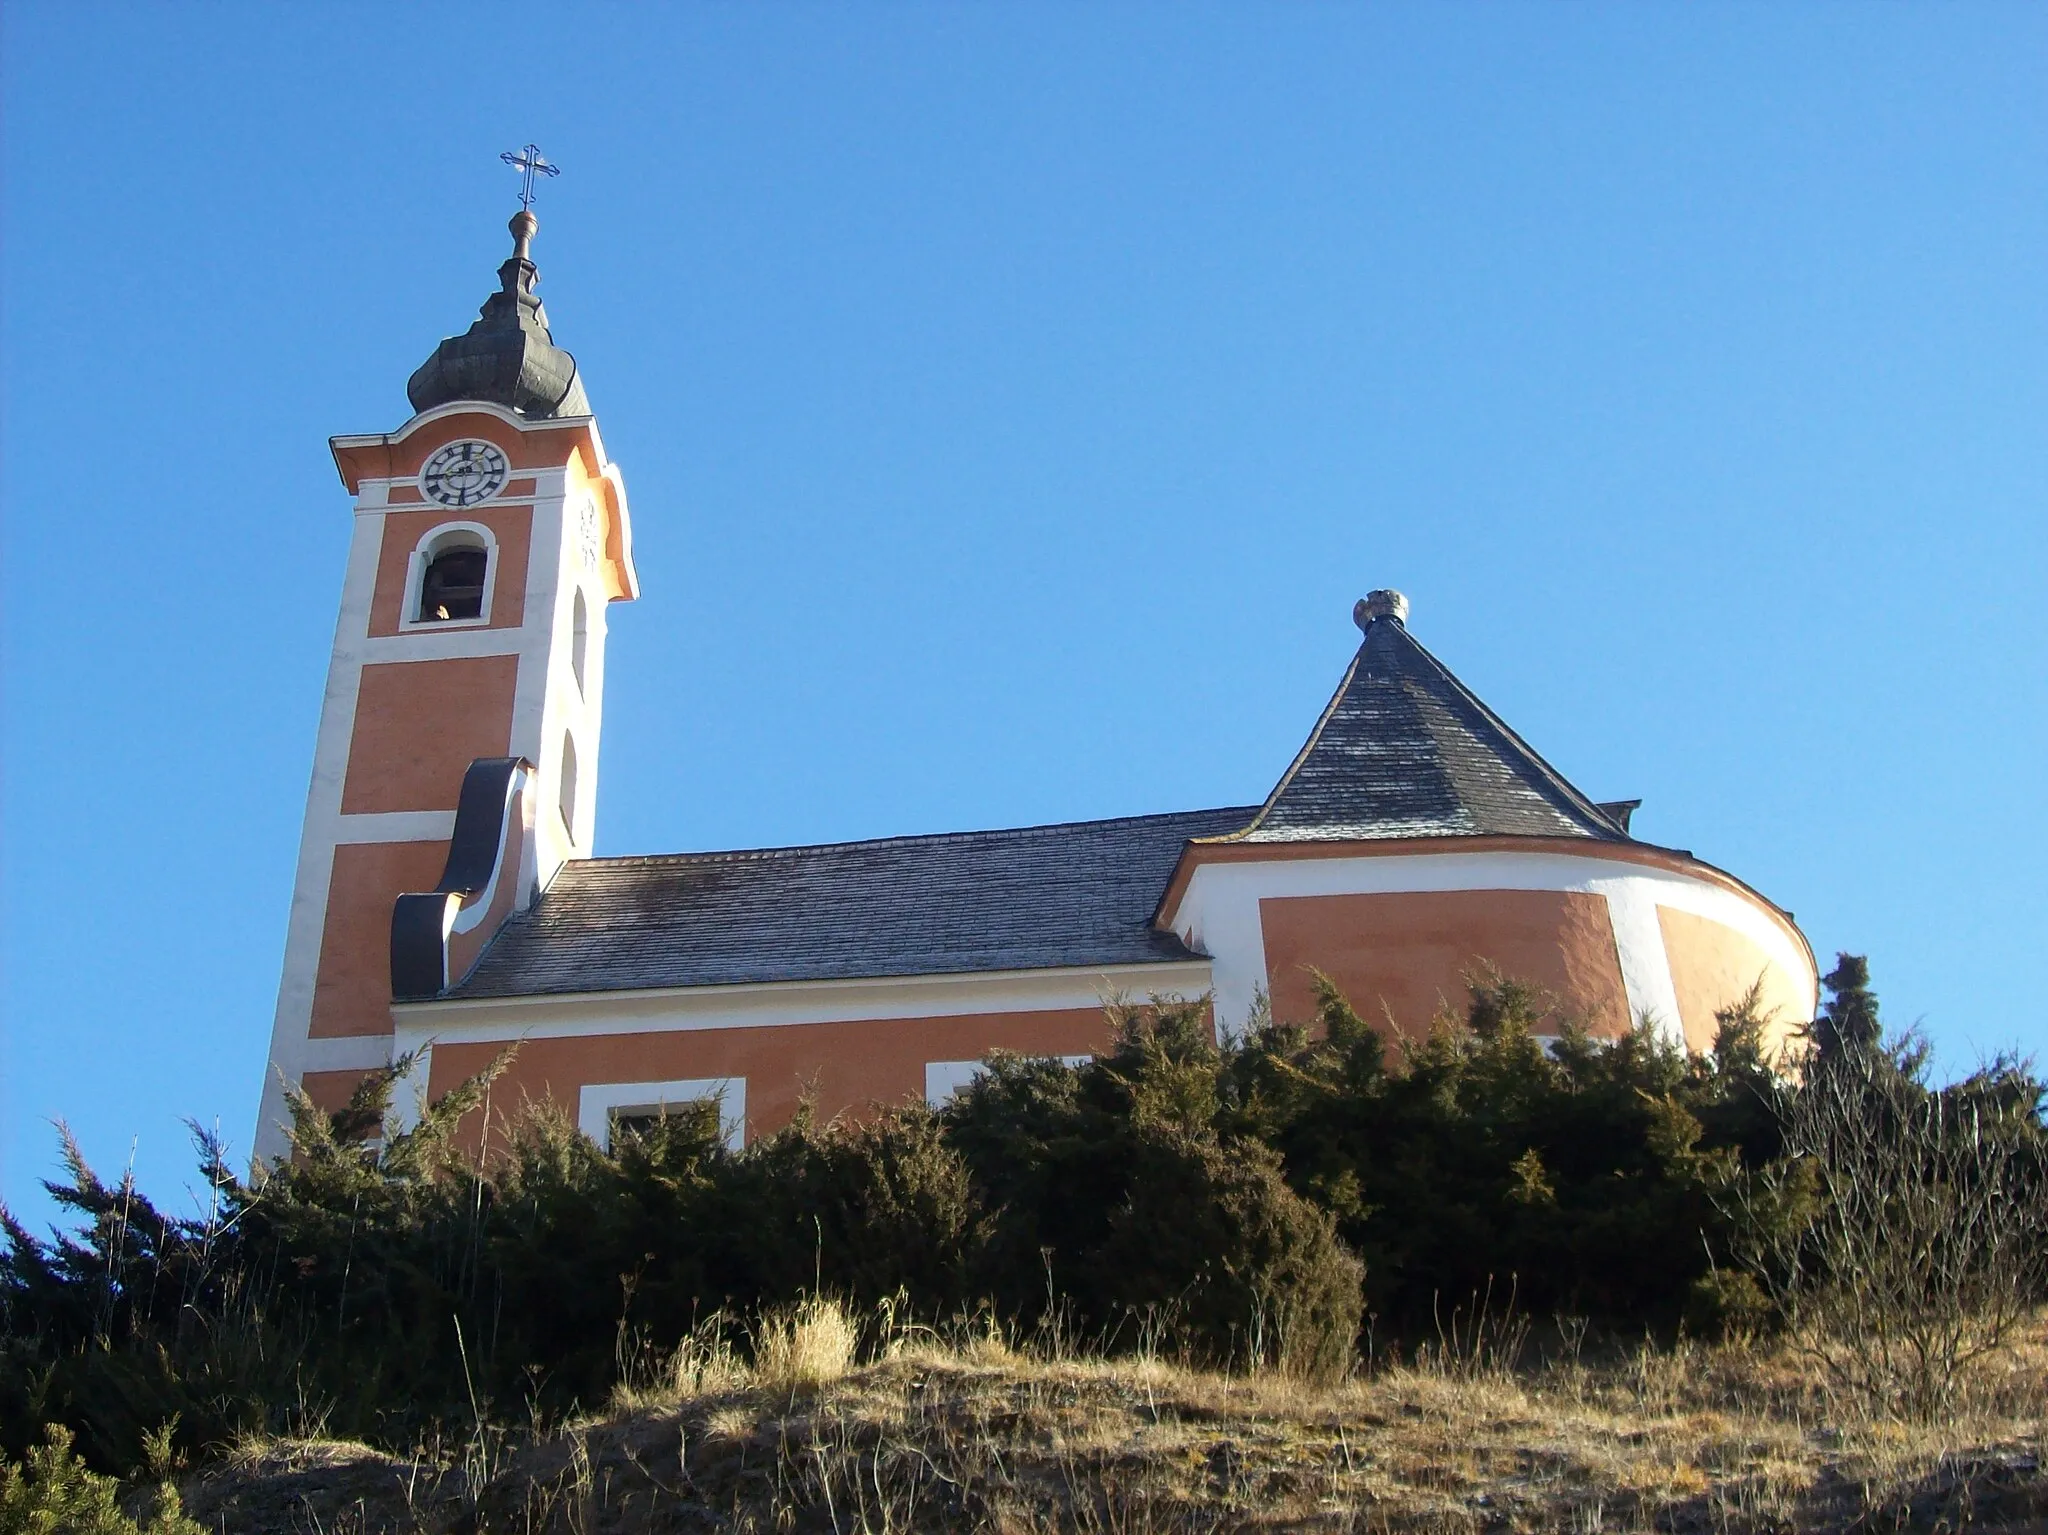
x=943 y=1080
x=597 y=1102
x=423 y=553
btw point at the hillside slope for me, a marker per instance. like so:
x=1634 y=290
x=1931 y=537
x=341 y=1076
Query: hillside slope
x=979 y=1437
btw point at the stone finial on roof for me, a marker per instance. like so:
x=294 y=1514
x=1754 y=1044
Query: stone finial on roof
x=524 y=227
x=1384 y=603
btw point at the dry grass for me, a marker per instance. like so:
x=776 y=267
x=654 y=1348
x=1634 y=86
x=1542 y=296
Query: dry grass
x=802 y=1347
x=704 y=1364
x=977 y=1435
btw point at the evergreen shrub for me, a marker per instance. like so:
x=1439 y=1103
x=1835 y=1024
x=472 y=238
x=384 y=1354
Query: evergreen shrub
x=53 y=1493
x=1248 y=1205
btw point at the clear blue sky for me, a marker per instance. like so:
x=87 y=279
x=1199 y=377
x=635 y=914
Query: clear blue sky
x=1013 y=400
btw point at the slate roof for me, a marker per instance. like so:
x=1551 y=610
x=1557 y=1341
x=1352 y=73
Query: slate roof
x=1078 y=895
x=1405 y=750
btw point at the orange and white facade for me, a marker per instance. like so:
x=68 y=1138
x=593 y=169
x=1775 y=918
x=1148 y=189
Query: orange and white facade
x=414 y=699
x=1615 y=933
x=447 y=900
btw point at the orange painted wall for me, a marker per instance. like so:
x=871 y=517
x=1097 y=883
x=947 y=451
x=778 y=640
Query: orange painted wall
x=352 y=993
x=330 y=1090
x=419 y=725
x=512 y=526
x=1408 y=953
x=1713 y=966
x=574 y=451
x=523 y=450
x=852 y=1065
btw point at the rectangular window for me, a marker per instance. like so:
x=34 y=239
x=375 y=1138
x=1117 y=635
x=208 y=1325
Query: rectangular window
x=605 y=1107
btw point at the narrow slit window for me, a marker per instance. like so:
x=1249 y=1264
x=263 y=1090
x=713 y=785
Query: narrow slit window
x=579 y=640
x=453 y=584
x=568 y=796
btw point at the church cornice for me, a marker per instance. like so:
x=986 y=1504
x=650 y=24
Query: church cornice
x=1201 y=852
x=376 y=455
x=366 y=458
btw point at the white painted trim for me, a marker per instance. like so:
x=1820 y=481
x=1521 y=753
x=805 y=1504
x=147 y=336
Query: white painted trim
x=577 y=710
x=565 y=784
x=943 y=1080
x=409 y=621
x=512 y=419
x=787 y=1003
x=479 y=907
x=579 y=632
x=354 y=1052
x=290 y=1048
x=1219 y=912
x=395 y=826
x=373 y=498
x=408 y=626
x=419 y=1026
x=534 y=726
x=346 y=1052
x=455 y=640
x=596 y=1102
x=533 y=642
x=539 y=643
x=409 y=1093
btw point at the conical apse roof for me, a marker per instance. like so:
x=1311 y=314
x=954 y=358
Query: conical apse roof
x=1406 y=750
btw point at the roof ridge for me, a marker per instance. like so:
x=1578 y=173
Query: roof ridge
x=903 y=840
x=1392 y=661
x=1300 y=757
x=1515 y=738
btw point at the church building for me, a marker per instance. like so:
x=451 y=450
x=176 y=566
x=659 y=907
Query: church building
x=447 y=901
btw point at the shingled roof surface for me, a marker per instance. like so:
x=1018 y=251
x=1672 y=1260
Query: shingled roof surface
x=1405 y=750
x=1038 y=897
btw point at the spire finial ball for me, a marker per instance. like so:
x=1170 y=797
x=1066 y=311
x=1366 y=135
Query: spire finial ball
x=1384 y=603
x=523 y=227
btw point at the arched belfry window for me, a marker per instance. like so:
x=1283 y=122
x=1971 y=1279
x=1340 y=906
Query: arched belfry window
x=579 y=640
x=453 y=577
x=453 y=585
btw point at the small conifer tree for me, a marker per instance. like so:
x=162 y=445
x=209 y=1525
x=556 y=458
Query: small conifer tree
x=1848 y=1025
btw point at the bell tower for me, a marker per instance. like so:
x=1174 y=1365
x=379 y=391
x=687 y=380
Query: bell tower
x=456 y=765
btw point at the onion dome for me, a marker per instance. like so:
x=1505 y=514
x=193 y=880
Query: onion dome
x=508 y=357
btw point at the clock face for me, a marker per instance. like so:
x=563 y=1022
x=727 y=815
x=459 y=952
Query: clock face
x=464 y=473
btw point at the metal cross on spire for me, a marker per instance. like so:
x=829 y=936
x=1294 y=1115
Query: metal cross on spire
x=528 y=162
